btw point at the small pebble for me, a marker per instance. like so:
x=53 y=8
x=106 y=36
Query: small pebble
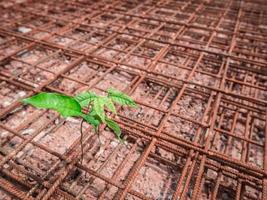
x=27 y=131
x=114 y=143
x=21 y=94
x=3 y=134
x=23 y=29
x=6 y=103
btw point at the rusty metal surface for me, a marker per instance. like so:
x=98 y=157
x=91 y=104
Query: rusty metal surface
x=196 y=68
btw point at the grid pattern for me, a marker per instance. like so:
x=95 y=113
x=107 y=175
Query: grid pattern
x=196 y=68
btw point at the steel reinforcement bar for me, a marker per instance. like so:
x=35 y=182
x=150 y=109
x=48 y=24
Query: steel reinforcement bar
x=197 y=70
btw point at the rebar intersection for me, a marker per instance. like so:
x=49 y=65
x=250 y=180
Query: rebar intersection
x=197 y=70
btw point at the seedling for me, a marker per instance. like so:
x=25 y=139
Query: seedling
x=68 y=106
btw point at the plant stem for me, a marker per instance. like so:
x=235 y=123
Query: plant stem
x=98 y=135
x=81 y=140
x=81 y=143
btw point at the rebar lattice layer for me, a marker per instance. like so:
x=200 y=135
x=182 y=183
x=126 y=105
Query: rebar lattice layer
x=196 y=68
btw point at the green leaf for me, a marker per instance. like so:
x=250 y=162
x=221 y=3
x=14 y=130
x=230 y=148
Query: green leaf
x=65 y=105
x=92 y=112
x=94 y=121
x=85 y=98
x=98 y=107
x=110 y=105
x=114 y=126
x=120 y=98
x=94 y=115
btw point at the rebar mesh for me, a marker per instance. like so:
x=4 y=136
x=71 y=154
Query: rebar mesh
x=196 y=68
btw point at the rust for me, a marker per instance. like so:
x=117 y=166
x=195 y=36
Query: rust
x=197 y=70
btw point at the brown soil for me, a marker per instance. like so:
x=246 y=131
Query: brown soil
x=239 y=126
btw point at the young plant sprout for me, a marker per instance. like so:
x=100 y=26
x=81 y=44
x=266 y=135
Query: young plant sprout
x=68 y=106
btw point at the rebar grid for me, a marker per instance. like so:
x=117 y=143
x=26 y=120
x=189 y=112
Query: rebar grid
x=197 y=70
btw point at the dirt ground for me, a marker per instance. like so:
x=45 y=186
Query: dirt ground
x=197 y=100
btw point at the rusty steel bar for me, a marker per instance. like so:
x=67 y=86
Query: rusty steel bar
x=216 y=51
